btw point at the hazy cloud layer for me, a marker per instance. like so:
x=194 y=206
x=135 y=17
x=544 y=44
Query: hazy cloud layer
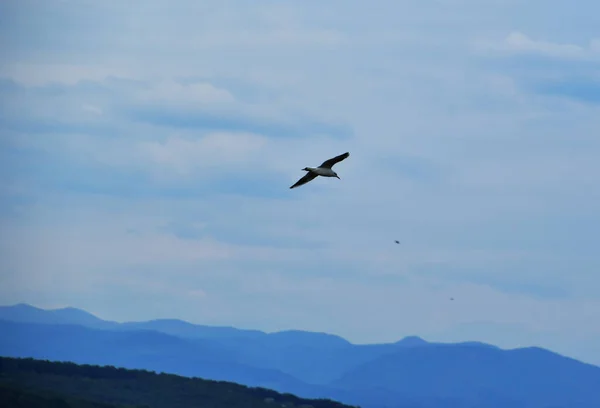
x=147 y=149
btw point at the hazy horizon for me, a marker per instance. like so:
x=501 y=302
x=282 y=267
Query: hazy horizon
x=147 y=150
x=389 y=341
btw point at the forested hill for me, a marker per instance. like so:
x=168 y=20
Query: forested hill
x=36 y=383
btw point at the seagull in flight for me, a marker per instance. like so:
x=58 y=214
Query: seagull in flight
x=323 y=170
x=397 y=242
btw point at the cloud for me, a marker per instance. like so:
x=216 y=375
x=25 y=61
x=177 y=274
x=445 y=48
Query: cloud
x=215 y=149
x=195 y=94
x=551 y=69
x=147 y=150
x=518 y=43
x=38 y=75
x=92 y=109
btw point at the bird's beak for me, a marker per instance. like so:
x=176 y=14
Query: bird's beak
x=338 y=177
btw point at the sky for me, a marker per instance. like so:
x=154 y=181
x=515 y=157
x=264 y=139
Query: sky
x=147 y=148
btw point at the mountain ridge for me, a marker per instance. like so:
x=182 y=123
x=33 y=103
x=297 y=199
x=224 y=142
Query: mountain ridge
x=410 y=371
x=23 y=312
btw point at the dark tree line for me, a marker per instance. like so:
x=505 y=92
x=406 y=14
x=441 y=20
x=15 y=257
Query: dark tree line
x=30 y=383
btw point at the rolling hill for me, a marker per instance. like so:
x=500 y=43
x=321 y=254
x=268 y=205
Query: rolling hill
x=410 y=372
x=37 y=383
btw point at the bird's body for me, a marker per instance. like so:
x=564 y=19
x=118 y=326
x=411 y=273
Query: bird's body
x=324 y=170
x=320 y=171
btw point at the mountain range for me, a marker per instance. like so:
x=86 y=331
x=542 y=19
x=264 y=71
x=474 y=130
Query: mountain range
x=409 y=373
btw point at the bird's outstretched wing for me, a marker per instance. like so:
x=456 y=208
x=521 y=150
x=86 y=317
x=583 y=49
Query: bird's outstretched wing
x=329 y=163
x=305 y=179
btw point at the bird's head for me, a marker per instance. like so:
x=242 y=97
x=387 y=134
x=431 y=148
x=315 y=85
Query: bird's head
x=305 y=169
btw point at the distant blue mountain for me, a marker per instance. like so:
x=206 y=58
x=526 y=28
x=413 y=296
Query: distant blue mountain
x=522 y=377
x=290 y=338
x=25 y=313
x=28 y=314
x=185 y=329
x=409 y=373
x=411 y=341
x=136 y=349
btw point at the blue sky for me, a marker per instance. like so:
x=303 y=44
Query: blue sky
x=147 y=149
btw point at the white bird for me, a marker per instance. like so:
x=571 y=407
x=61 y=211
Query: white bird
x=323 y=170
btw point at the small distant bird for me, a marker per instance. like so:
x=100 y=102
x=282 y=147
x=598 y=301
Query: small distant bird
x=323 y=170
x=397 y=242
x=451 y=298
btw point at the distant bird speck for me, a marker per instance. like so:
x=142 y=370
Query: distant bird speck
x=397 y=242
x=323 y=170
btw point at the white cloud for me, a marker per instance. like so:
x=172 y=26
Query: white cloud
x=92 y=109
x=40 y=74
x=199 y=93
x=219 y=149
x=517 y=42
